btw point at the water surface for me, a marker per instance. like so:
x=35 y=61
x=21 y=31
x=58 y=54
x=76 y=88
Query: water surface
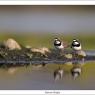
x=32 y=78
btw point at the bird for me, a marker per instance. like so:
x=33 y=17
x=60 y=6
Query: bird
x=76 y=45
x=58 y=44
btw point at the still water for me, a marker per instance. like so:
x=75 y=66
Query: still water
x=32 y=78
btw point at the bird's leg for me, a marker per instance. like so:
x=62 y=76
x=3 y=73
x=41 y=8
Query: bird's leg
x=74 y=55
x=61 y=52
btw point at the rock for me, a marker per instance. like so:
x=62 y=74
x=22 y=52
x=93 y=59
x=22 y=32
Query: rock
x=2 y=45
x=11 y=44
x=81 y=53
x=68 y=56
x=43 y=50
x=29 y=55
x=28 y=47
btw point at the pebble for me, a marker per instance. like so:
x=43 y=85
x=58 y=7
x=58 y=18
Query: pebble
x=11 y=44
x=81 y=53
x=68 y=56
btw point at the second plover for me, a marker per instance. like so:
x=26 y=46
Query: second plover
x=76 y=45
x=78 y=52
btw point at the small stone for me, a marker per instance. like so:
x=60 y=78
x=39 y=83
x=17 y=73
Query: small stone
x=43 y=50
x=28 y=47
x=11 y=44
x=68 y=56
x=81 y=53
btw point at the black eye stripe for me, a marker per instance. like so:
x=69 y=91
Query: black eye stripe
x=57 y=44
x=74 y=44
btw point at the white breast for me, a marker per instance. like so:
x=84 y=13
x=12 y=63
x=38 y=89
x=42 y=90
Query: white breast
x=77 y=48
x=57 y=42
x=60 y=47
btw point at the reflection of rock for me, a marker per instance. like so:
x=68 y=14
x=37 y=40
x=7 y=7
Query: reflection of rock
x=43 y=50
x=68 y=56
x=38 y=66
x=12 y=70
x=58 y=74
x=11 y=44
x=69 y=63
x=76 y=71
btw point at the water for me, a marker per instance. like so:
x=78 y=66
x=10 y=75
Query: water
x=32 y=78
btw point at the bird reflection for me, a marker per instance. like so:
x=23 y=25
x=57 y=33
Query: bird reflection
x=58 y=74
x=75 y=71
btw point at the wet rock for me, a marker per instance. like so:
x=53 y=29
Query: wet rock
x=3 y=54
x=11 y=44
x=28 y=47
x=2 y=45
x=68 y=56
x=81 y=53
x=43 y=50
x=58 y=74
x=30 y=55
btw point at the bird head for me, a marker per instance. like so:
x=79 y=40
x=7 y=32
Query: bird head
x=56 y=39
x=75 y=40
